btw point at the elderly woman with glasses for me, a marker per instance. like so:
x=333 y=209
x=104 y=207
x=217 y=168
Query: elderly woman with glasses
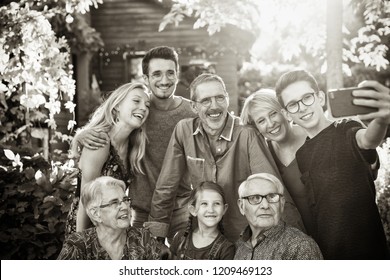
x=108 y=208
x=263 y=111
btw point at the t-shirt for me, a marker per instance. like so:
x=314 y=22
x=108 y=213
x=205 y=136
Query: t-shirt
x=338 y=177
x=219 y=249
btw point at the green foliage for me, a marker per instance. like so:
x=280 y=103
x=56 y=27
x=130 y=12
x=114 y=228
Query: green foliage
x=35 y=197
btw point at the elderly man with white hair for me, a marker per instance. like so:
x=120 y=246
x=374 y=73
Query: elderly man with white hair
x=261 y=201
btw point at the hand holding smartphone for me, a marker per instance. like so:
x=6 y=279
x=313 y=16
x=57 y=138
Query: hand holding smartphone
x=341 y=105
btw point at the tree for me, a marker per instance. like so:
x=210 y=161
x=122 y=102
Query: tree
x=293 y=32
x=370 y=45
x=334 y=44
x=214 y=14
x=35 y=62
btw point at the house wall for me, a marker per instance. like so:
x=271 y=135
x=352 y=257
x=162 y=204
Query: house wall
x=134 y=24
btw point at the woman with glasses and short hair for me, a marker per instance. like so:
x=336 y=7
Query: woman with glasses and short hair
x=108 y=208
x=263 y=111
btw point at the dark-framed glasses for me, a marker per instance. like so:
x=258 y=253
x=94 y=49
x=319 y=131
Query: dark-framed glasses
x=258 y=198
x=116 y=203
x=206 y=102
x=307 y=100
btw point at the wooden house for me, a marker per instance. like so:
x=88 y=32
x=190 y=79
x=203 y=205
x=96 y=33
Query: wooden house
x=129 y=28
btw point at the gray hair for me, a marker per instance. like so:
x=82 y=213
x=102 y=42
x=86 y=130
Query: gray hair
x=264 y=176
x=92 y=192
x=204 y=78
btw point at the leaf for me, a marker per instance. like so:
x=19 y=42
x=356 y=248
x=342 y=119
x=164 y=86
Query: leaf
x=50 y=251
x=9 y=154
x=29 y=173
x=26 y=188
x=49 y=198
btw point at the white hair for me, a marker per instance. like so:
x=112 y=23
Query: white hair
x=264 y=176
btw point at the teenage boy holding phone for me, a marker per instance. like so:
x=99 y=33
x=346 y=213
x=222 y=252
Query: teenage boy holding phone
x=335 y=166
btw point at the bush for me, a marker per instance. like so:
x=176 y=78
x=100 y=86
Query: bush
x=35 y=197
x=383 y=187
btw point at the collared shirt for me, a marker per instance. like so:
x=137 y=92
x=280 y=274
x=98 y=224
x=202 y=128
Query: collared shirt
x=280 y=242
x=239 y=152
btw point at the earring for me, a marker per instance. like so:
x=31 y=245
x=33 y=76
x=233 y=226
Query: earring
x=115 y=113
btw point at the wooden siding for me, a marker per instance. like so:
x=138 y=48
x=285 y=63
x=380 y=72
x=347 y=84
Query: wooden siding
x=135 y=23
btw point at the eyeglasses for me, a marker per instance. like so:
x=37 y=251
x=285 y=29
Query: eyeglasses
x=116 y=203
x=206 y=102
x=258 y=198
x=307 y=100
x=171 y=75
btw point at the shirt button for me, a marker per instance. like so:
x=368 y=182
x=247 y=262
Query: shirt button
x=219 y=150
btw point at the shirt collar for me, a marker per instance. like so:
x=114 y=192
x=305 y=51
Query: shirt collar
x=247 y=233
x=227 y=131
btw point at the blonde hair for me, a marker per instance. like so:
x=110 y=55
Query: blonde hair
x=92 y=192
x=263 y=99
x=104 y=118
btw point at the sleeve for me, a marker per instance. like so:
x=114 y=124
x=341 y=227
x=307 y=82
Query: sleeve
x=164 y=196
x=350 y=129
x=305 y=249
x=73 y=249
x=228 y=251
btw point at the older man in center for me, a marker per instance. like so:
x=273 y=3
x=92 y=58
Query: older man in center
x=211 y=147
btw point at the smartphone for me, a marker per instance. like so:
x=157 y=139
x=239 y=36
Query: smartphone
x=340 y=101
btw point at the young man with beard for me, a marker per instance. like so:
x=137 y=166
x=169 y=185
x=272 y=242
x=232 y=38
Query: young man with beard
x=160 y=68
x=211 y=147
x=335 y=166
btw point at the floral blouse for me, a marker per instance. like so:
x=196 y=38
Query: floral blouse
x=86 y=246
x=113 y=167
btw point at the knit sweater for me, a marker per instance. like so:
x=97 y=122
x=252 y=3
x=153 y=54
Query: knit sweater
x=159 y=127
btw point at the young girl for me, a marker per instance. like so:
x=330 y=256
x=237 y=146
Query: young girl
x=203 y=238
